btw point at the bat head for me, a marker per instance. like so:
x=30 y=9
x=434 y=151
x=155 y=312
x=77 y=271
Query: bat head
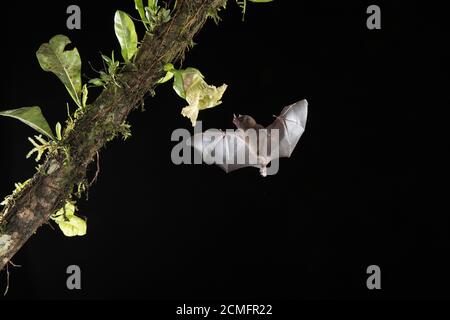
x=236 y=119
x=244 y=122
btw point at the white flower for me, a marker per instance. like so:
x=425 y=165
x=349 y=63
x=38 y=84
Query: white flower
x=191 y=86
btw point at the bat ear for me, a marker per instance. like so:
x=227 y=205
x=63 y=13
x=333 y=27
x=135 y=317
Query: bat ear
x=234 y=116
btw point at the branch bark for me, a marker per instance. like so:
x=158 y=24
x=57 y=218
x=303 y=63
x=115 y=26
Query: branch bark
x=50 y=189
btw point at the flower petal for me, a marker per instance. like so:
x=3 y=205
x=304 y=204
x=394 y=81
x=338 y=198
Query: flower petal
x=190 y=112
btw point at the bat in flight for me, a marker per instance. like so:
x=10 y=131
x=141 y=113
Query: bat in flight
x=252 y=145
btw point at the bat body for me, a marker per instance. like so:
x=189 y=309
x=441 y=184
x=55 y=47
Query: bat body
x=252 y=144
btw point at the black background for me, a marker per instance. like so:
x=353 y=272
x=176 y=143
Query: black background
x=352 y=194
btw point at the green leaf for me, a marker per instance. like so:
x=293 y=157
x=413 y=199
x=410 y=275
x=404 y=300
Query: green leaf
x=169 y=75
x=40 y=149
x=126 y=34
x=85 y=96
x=170 y=69
x=153 y=5
x=66 y=65
x=96 y=82
x=106 y=59
x=178 y=85
x=58 y=131
x=104 y=76
x=163 y=15
x=140 y=8
x=31 y=116
x=111 y=64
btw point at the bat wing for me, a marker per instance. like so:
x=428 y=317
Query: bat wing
x=229 y=150
x=291 y=124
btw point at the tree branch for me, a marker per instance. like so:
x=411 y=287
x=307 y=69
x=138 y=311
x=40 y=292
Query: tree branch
x=50 y=189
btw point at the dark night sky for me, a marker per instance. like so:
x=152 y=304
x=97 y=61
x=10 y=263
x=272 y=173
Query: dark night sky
x=352 y=194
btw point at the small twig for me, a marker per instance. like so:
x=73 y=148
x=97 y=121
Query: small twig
x=7 y=280
x=15 y=265
x=7 y=275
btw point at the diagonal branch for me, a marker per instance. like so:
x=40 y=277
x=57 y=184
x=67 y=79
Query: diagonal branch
x=50 y=188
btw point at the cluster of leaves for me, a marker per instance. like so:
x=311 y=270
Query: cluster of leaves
x=9 y=200
x=152 y=15
x=66 y=65
x=125 y=31
x=108 y=76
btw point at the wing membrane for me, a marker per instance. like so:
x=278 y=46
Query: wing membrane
x=229 y=150
x=291 y=124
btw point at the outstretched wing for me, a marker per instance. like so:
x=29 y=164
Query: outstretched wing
x=291 y=124
x=229 y=150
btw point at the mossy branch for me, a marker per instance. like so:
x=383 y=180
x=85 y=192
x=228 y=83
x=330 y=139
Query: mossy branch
x=52 y=185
